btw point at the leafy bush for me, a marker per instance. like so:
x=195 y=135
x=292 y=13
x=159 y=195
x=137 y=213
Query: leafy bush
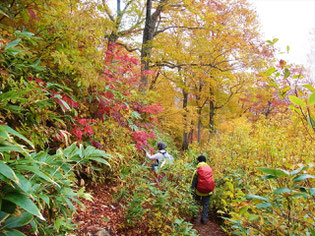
x=39 y=188
x=238 y=155
x=283 y=207
x=156 y=202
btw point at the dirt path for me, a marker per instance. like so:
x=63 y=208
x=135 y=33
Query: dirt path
x=209 y=229
x=102 y=217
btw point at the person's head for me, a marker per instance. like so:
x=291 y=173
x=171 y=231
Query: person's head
x=161 y=146
x=201 y=159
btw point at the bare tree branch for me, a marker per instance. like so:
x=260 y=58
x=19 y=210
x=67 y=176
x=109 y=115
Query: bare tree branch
x=129 y=31
x=108 y=11
x=127 y=48
x=176 y=27
x=231 y=94
x=154 y=80
x=172 y=65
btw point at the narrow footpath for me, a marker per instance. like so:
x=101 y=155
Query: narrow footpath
x=104 y=217
x=209 y=229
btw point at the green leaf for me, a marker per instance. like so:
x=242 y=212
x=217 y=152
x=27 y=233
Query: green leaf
x=70 y=150
x=263 y=205
x=24 y=184
x=12 y=44
x=8 y=172
x=270 y=71
x=310 y=121
x=303 y=177
x=283 y=92
x=252 y=217
x=136 y=115
x=98 y=159
x=273 y=41
x=311 y=100
x=65 y=105
x=70 y=205
x=12 y=148
x=268 y=177
x=13 y=132
x=37 y=172
x=282 y=190
x=13 y=51
x=14 y=108
x=309 y=87
x=295 y=109
x=297 y=195
x=287 y=73
x=298 y=170
x=257 y=197
x=12 y=95
x=243 y=210
x=13 y=232
x=297 y=101
x=15 y=222
x=45 y=198
x=24 y=202
x=273 y=83
x=233 y=221
x=301 y=188
x=3 y=215
x=312 y=191
x=274 y=172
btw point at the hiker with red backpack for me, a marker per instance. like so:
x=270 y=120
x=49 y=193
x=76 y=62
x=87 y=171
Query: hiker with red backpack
x=202 y=185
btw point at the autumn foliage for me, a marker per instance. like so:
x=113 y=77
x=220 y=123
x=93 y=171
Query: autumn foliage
x=82 y=98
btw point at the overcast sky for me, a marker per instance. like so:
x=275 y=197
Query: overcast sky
x=291 y=21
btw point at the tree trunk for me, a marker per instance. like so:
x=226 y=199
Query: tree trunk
x=113 y=37
x=268 y=109
x=211 y=112
x=148 y=35
x=146 y=49
x=199 y=126
x=185 y=134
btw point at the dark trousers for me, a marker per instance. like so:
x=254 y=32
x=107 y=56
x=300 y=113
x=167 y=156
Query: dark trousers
x=205 y=202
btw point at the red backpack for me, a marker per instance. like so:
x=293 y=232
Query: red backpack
x=205 y=180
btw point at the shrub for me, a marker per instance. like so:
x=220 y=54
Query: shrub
x=39 y=188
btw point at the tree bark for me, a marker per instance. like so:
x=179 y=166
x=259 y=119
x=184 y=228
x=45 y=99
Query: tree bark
x=185 y=134
x=211 y=112
x=148 y=35
x=268 y=109
x=199 y=126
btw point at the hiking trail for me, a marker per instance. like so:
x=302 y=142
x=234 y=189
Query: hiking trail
x=104 y=217
x=209 y=229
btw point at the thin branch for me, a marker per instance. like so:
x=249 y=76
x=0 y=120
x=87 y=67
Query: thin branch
x=176 y=27
x=108 y=12
x=167 y=77
x=231 y=95
x=129 y=31
x=154 y=80
x=10 y=8
x=172 y=65
x=127 y=48
x=127 y=5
